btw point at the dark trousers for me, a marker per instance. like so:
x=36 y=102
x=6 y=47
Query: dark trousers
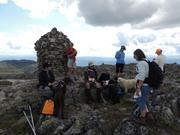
x=119 y=68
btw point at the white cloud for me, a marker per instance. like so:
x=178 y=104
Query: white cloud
x=43 y=8
x=89 y=40
x=3 y=1
x=93 y=41
x=22 y=42
x=69 y=8
x=37 y=8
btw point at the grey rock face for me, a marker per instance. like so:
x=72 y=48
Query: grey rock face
x=86 y=122
x=2 y=95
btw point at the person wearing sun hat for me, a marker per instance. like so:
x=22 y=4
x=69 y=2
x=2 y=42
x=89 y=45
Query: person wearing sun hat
x=160 y=59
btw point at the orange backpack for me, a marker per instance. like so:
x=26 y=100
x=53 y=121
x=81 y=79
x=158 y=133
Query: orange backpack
x=48 y=108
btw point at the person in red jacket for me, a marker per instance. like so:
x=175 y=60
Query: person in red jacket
x=71 y=64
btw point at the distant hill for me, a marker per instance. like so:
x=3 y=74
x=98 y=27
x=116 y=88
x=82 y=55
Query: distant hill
x=16 y=68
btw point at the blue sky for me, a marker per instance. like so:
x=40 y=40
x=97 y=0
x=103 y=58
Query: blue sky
x=96 y=27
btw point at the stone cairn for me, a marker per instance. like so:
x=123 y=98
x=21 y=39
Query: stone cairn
x=51 y=48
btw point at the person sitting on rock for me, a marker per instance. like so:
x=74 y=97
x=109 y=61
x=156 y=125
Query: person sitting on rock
x=91 y=79
x=46 y=79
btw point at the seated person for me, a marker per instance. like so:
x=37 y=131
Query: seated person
x=91 y=79
x=46 y=79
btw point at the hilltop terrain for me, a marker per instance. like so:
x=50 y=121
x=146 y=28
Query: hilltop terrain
x=95 y=118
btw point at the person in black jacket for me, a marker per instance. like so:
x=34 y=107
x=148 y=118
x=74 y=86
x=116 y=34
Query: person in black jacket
x=90 y=76
x=46 y=79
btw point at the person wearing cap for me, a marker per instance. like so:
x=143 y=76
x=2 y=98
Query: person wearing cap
x=71 y=63
x=90 y=77
x=160 y=59
x=120 y=56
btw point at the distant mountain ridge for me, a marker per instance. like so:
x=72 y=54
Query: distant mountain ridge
x=17 y=68
x=19 y=63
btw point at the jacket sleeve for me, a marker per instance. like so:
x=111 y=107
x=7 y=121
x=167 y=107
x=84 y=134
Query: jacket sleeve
x=118 y=55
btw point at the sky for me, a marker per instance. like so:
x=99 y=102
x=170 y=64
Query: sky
x=96 y=27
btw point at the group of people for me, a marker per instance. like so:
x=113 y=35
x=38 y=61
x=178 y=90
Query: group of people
x=46 y=77
x=120 y=60
x=142 y=70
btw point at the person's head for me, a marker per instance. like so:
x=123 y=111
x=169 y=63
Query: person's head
x=45 y=66
x=123 y=48
x=139 y=55
x=91 y=64
x=158 y=51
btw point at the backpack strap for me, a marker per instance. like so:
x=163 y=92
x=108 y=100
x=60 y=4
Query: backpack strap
x=146 y=80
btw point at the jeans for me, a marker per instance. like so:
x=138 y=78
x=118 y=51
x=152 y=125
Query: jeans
x=143 y=100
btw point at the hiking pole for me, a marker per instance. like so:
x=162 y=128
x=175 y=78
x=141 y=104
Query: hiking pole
x=32 y=120
x=34 y=132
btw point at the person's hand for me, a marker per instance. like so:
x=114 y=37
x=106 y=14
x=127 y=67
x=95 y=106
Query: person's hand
x=49 y=84
x=137 y=92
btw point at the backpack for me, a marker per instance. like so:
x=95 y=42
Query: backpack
x=155 y=77
x=48 y=108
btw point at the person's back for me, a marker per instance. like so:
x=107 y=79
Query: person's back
x=160 y=59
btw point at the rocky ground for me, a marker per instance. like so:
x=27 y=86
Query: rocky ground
x=95 y=118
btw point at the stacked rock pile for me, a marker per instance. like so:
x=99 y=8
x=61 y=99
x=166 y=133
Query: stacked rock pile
x=51 y=48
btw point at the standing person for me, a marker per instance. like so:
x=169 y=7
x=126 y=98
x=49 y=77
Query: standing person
x=160 y=59
x=120 y=55
x=71 y=54
x=142 y=88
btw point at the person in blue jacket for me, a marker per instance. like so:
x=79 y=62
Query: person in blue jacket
x=120 y=56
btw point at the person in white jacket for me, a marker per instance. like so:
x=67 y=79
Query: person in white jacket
x=142 y=87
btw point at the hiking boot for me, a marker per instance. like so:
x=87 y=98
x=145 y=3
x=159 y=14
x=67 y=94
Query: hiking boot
x=140 y=120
